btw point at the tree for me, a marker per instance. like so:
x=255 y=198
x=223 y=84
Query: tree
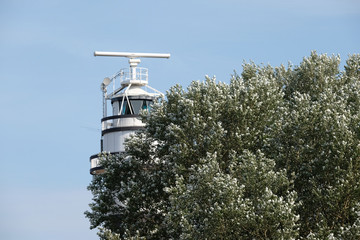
x=243 y=204
x=318 y=141
x=272 y=155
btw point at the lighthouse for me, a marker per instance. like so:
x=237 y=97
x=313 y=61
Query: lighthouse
x=128 y=93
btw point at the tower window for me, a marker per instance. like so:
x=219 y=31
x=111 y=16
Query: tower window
x=136 y=106
x=125 y=108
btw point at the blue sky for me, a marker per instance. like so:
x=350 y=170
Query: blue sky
x=51 y=100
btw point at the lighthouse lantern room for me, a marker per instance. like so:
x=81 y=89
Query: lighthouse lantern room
x=129 y=93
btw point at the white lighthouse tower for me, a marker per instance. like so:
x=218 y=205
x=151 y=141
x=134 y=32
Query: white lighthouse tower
x=129 y=93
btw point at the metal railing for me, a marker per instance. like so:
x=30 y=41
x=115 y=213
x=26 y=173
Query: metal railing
x=136 y=75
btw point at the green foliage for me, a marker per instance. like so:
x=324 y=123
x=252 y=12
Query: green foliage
x=275 y=154
x=243 y=204
x=318 y=141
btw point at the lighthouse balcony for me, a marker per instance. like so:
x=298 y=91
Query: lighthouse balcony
x=121 y=122
x=95 y=166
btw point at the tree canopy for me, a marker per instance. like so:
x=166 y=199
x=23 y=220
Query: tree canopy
x=274 y=154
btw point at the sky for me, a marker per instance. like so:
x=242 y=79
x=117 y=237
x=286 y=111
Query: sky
x=50 y=96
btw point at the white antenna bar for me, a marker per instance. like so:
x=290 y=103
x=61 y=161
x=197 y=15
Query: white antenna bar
x=132 y=55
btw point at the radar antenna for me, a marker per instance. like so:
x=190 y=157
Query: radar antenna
x=133 y=61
